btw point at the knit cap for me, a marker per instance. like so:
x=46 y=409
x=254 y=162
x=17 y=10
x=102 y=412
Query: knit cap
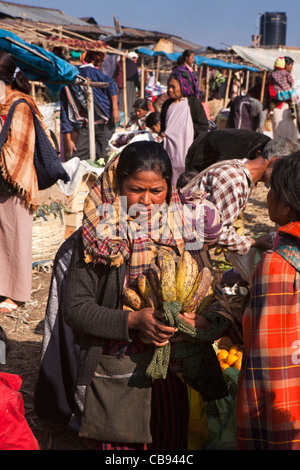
x=279 y=63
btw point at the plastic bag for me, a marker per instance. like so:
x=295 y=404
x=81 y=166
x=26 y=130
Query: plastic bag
x=221 y=416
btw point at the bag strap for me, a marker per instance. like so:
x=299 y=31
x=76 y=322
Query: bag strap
x=6 y=127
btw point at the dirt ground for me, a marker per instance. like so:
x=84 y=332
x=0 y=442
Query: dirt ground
x=24 y=329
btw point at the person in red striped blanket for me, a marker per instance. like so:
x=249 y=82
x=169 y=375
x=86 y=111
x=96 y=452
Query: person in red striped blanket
x=268 y=410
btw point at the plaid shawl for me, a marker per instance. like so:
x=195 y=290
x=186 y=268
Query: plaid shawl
x=16 y=157
x=269 y=385
x=112 y=237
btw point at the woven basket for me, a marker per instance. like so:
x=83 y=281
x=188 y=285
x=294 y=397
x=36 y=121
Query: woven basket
x=47 y=236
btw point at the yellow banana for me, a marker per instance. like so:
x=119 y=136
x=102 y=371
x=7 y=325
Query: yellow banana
x=159 y=259
x=207 y=299
x=199 y=291
x=126 y=306
x=186 y=274
x=238 y=223
x=132 y=299
x=218 y=250
x=168 y=278
x=154 y=279
x=146 y=291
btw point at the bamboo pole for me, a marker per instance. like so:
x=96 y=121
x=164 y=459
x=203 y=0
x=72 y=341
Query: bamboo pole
x=91 y=121
x=263 y=86
x=227 y=88
x=207 y=84
x=157 y=68
x=247 y=81
x=200 y=76
x=142 y=76
x=124 y=89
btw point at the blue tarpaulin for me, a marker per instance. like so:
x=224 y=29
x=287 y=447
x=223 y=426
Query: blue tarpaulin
x=38 y=63
x=214 y=63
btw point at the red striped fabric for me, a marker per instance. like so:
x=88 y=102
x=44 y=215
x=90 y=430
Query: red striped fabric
x=269 y=385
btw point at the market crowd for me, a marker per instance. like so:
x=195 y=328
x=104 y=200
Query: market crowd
x=124 y=378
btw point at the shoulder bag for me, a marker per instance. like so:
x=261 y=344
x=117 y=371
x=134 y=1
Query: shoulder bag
x=48 y=166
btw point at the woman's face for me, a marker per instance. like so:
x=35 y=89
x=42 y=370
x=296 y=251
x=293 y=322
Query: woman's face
x=190 y=60
x=174 y=90
x=157 y=127
x=140 y=113
x=145 y=192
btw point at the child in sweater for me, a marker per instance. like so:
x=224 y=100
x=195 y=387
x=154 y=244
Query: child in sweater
x=282 y=84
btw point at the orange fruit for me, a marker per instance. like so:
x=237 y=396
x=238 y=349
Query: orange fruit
x=223 y=365
x=237 y=364
x=222 y=354
x=231 y=358
x=233 y=350
x=239 y=354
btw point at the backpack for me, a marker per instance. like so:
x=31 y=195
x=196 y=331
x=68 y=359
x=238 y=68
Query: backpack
x=48 y=166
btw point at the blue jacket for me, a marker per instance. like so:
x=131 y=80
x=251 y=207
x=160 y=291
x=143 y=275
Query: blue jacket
x=102 y=96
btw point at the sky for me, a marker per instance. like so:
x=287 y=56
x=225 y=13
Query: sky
x=215 y=23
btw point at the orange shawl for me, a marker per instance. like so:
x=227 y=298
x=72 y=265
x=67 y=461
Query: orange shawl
x=16 y=157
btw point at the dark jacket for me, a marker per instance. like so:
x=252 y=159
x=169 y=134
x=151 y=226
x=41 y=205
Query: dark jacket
x=198 y=115
x=224 y=144
x=131 y=73
x=92 y=305
x=102 y=98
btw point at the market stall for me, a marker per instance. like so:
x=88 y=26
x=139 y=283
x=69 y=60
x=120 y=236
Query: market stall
x=208 y=63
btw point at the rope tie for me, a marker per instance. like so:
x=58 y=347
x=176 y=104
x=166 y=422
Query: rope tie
x=159 y=364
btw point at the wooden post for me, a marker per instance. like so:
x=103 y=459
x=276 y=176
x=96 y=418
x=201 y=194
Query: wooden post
x=142 y=77
x=157 y=68
x=226 y=99
x=200 y=77
x=124 y=89
x=207 y=84
x=91 y=121
x=32 y=84
x=263 y=86
x=247 y=81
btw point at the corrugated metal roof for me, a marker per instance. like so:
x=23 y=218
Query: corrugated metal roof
x=46 y=15
x=134 y=37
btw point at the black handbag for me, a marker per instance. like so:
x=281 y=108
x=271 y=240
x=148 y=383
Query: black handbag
x=117 y=404
x=48 y=166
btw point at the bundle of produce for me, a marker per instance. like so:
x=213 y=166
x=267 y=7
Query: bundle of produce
x=168 y=281
x=173 y=288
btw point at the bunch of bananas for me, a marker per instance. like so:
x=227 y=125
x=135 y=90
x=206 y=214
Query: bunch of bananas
x=167 y=281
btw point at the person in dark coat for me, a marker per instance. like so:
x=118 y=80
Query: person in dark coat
x=132 y=81
x=224 y=144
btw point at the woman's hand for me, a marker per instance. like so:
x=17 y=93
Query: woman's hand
x=196 y=320
x=148 y=322
x=264 y=242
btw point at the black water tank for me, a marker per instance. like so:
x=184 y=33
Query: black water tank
x=273 y=29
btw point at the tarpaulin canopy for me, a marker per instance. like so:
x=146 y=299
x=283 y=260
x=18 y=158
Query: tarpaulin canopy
x=265 y=58
x=36 y=62
x=214 y=63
